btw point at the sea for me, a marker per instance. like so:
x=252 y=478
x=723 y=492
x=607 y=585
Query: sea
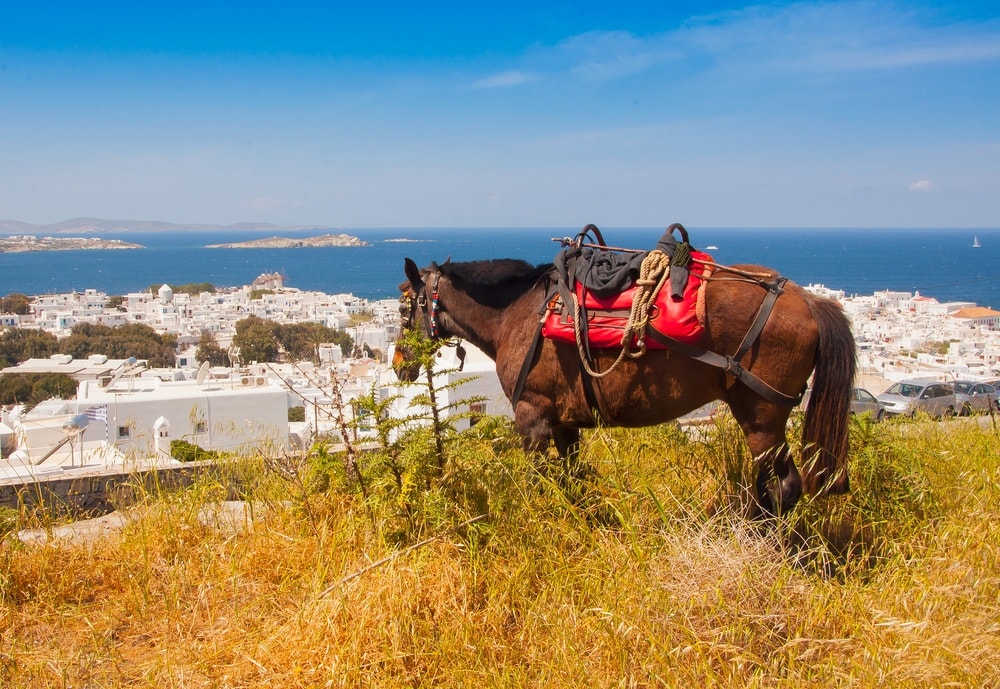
x=939 y=263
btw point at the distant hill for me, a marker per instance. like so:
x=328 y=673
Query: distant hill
x=289 y=243
x=90 y=226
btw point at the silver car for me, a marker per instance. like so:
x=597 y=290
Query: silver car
x=973 y=397
x=908 y=397
x=863 y=402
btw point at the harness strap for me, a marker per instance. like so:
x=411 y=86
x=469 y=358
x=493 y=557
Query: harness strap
x=529 y=361
x=728 y=364
x=774 y=290
x=529 y=358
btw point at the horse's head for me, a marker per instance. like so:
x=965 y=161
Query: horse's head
x=476 y=293
x=418 y=308
x=416 y=302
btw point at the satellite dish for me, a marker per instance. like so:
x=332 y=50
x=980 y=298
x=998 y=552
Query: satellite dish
x=76 y=424
x=203 y=372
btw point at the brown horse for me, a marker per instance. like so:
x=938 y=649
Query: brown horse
x=496 y=304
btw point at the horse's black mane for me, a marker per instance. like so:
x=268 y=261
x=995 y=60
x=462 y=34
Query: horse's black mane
x=495 y=283
x=495 y=272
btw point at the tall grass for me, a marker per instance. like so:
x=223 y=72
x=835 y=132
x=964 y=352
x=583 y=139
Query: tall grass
x=634 y=569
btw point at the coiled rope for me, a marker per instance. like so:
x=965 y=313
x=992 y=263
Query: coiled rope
x=653 y=273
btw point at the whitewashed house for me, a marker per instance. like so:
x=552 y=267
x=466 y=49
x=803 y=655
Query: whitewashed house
x=140 y=416
x=482 y=382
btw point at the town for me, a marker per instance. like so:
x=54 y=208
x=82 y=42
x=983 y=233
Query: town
x=128 y=413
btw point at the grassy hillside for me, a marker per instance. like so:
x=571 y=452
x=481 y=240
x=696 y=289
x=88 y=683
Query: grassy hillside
x=637 y=571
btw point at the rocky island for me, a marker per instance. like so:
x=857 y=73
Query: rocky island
x=28 y=242
x=292 y=243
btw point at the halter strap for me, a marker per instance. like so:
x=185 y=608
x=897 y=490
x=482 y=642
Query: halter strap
x=433 y=330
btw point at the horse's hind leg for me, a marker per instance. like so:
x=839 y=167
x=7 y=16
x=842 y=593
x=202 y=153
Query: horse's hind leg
x=777 y=483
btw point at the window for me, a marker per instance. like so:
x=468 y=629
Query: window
x=124 y=432
x=477 y=410
x=364 y=420
x=200 y=427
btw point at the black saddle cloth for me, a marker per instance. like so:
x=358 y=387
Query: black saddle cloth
x=606 y=272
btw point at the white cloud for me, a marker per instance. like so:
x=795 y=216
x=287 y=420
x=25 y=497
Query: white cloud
x=815 y=37
x=612 y=54
x=922 y=185
x=504 y=80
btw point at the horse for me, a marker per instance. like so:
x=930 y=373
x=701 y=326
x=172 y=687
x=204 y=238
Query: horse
x=495 y=305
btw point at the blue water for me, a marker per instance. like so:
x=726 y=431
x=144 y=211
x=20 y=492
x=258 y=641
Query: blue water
x=938 y=263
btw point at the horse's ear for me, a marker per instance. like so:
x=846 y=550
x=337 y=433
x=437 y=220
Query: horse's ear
x=413 y=274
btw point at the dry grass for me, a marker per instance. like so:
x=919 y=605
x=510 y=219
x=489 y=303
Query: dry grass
x=638 y=574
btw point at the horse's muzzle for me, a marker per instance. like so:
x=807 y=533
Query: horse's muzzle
x=406 y=371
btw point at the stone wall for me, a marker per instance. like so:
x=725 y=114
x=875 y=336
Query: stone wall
x=81 y=495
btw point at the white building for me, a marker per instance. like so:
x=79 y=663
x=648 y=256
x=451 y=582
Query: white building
x=977 y=316
x=95 y=366
x=139 y=416
x=482 y=381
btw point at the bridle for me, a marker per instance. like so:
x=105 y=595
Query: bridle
x=411 y=301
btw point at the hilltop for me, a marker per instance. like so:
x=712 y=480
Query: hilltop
x=293 y=243
x=22 y=243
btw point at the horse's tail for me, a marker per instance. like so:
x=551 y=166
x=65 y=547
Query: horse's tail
x=825 y=435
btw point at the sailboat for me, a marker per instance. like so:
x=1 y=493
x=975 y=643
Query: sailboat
x=975 y=242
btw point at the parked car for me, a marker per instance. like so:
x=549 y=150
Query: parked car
x=908 y=397
x=863 y=402
x=975 y=397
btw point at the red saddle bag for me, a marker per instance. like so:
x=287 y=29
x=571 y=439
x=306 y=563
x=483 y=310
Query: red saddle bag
x=681 y=319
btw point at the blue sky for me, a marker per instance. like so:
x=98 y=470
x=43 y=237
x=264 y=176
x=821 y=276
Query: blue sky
x=790 y=114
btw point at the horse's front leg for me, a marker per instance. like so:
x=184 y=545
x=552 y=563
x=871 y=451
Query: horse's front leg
x=534 y=428
x=537 y=430
x=567 y=441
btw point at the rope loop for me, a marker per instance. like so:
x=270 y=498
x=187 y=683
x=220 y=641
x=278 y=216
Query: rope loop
x=653 y=274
